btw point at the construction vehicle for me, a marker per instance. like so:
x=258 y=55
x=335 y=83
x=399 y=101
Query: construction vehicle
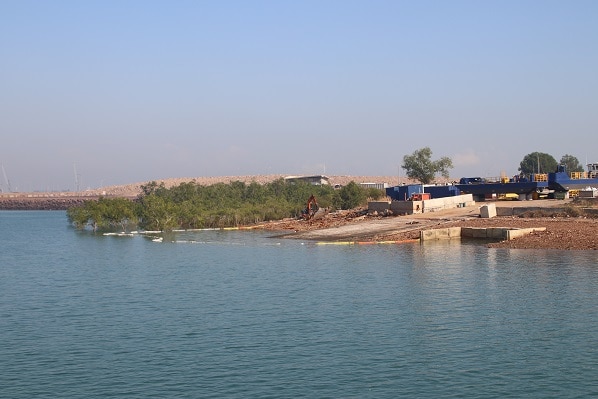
x=311 y=208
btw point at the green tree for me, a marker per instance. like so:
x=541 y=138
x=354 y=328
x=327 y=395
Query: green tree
x=571 y=163
x=78 y=216
x=538 y=162
x=352 y=195
x=419 y=166
x=97 y=215
x=191 y=205
x=151 y=188
x=118 y=212
x=103 y=214
x=158 y=213
x=375 y=193
x=255 y=193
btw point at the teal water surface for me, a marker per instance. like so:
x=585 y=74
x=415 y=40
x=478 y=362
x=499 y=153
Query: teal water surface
x=238 y=314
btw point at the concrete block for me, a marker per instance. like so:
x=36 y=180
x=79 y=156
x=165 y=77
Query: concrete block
x=426 y=235
x=467 y=232
x=504 y=211
x=488 y=211
x=503 y=233
x=406 y=207
x=378 y=206
x=512 y=234
x=442 y=234
x=496 y=232
x=454 y=232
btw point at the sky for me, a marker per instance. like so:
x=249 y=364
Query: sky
x=98 y=93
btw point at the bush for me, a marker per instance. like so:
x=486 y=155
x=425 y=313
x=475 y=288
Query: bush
x=190 y=205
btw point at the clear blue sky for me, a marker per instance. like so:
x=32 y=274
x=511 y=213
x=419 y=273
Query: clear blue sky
x=131 y=91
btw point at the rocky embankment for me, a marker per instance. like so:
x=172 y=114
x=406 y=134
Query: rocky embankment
x=64 y=200
x=24 y=203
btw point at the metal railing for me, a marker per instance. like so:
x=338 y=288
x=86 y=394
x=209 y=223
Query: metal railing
x=579 y=175
x=540 y=177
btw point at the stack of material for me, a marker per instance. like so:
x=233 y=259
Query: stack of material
x=588 y=192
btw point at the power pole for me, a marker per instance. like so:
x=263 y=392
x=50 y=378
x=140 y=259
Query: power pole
x=6 y=181
x=76 y=177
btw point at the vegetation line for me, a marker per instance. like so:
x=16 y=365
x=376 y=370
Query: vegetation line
x=193 y=206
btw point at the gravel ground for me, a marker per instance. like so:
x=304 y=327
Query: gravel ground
x=561 y=233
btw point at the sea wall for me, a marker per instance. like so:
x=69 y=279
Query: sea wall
x=501 y=233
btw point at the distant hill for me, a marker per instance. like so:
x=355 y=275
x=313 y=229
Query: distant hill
x=131 y=190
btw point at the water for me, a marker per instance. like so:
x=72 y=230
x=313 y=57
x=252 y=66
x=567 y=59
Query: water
x=236 y=314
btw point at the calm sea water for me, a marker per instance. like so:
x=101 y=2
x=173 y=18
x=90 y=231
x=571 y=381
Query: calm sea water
x=237 y=315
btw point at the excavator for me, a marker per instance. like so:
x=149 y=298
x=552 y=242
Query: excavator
x=311 y=209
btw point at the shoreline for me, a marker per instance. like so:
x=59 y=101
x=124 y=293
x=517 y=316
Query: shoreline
x=562 y=232
x=355 y=227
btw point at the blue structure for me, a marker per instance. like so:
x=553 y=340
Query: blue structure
x=481 y=190
x=403 y=193
x=561 y=181
x=530 y=186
